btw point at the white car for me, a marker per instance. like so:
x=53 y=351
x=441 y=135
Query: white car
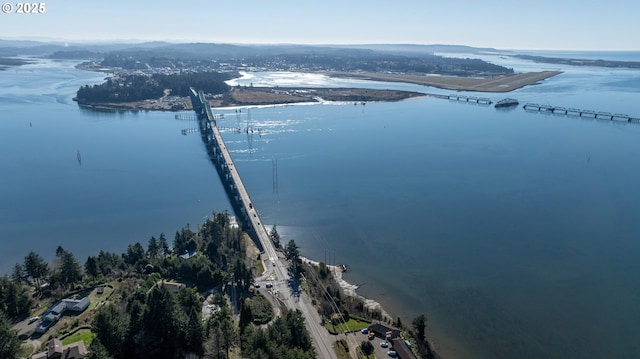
x=384 y=345
x=31 y=320
x=392 y=353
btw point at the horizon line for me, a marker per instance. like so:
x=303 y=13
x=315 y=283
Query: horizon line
x=133 y=41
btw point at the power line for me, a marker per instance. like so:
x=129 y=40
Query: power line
x=274 y=168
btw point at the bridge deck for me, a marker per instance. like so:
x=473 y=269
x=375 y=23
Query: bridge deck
x=320 y=337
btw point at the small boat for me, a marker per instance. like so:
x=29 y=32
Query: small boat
x=507 y=102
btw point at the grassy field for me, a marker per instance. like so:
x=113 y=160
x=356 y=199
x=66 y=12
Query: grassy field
x=26 y=350
x=96 y=298
x=351 y=326
x=86 y=335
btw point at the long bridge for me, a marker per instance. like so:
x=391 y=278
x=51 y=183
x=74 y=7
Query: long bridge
x=534 y=107
x=249 y=218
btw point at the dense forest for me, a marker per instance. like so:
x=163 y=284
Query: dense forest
x=142 y=87
x=144 y=318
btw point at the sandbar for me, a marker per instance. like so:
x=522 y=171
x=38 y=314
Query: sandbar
x=504 y=83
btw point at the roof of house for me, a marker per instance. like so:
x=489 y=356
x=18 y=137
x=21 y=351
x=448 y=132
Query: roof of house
x=59 y=308
x=188 y=255
x=54 y=346
x=382 y=330
x=401 y=349
x=75 y=350
x=172 y=286
x=77 y=304
x=55 y=349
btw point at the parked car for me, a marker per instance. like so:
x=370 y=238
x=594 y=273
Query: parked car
x=392 y=353
x=31 y=320
x=364 y=331
x=384 y=345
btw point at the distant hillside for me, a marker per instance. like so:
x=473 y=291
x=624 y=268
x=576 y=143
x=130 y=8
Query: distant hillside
x=424 y=49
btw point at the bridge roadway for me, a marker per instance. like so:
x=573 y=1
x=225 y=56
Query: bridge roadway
x=321 y=338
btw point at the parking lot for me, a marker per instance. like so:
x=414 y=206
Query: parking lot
x=379 y=351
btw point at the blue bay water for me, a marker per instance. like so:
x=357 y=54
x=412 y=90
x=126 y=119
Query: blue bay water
x=515 y=233
x=138 y=175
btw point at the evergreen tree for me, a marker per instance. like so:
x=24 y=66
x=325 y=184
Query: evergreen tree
x=366 y=347
x=419 y=324
x=18 y=274
x=135 y=254
x=9 y=342
x=162 y=323
x=69 y=270
x=97 y=350
x=292 y=253
x=110 y=327
x=36 y=268
x=179 y=243
x=153 y=248
x=275 y=236
x=194 y=333
x=14 y=299
x=91 y=266
x=164 y=246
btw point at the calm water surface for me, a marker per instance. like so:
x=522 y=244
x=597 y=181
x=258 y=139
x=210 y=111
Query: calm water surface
x=515 y=233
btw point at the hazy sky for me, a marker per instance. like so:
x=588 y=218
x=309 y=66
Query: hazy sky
x=504 y=24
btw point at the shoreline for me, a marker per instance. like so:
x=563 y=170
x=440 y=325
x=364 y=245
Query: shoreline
x=261 y=96
x=349 y=288
x=241 y=96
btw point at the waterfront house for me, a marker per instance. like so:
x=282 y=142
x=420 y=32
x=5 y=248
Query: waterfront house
x=54 y=313
x=402 y=349
x=55 y=350
x=77 y=305
x=384 y=332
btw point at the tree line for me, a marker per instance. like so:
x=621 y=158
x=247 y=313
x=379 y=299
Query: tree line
x=143 y=87
x=144 y=318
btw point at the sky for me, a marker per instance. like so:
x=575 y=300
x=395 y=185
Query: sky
x=501 y=24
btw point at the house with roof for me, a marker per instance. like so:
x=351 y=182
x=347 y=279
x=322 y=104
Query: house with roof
x=402 y=349
x=384 y=332
x=77 y=305
x=171 y=286
x=55 y=312
x=55 y=350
